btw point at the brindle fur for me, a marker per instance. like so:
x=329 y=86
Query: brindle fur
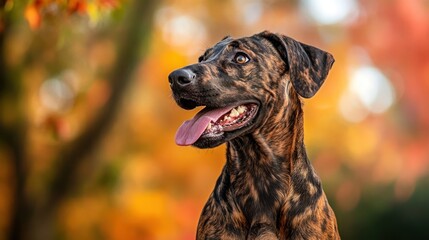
x=268 y=188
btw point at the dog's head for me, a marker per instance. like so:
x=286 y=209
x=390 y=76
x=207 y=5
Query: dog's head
x=243 y=81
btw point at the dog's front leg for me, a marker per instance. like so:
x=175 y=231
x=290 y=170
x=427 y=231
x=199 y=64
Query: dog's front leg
x=220 y=221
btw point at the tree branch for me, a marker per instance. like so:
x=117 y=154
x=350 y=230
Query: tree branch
x=13 y=134
x=133 y=45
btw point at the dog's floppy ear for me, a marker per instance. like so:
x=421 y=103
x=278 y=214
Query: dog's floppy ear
x=308 y=66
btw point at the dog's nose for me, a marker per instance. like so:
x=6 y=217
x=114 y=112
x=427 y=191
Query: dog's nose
x=182 y=77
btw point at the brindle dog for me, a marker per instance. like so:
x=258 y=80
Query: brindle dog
x=252 y=89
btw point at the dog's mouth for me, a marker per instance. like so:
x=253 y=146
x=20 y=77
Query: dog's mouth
x=187 y=104
x=211 y=123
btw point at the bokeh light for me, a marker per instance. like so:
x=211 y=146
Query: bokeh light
x=56 y=95
x=329 y=12
x=372 y=88
x=369 y=91
x=181 y=30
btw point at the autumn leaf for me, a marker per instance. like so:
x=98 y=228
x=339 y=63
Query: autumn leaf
x=32 y=15
x=77 y=6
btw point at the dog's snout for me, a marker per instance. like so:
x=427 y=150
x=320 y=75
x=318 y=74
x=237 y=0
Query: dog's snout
x=181 y=77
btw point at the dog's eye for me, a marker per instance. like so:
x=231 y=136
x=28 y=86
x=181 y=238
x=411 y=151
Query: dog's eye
x=241 y=58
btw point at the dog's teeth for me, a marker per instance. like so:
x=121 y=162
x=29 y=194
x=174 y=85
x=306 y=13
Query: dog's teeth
x=241 y=109
x=209 y=126
x=226 y=118
x=234 y=113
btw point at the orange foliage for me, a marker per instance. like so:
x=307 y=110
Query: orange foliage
x=33 y=16
x=35 y=11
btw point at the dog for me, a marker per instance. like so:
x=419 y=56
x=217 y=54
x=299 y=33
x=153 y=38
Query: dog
x=252 y=89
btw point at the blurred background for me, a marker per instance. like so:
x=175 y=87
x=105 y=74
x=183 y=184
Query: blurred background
x=87 y=119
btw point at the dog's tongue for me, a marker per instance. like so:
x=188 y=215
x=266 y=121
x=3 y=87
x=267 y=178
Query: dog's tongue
x=191 y=130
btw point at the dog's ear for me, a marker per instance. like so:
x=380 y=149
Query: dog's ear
x=308 y=66
x=226 y=37
x=222 y=43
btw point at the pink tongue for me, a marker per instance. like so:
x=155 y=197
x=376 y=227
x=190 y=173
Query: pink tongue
x=191 y=130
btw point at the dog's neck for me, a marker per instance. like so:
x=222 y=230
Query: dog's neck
x=271 y=166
